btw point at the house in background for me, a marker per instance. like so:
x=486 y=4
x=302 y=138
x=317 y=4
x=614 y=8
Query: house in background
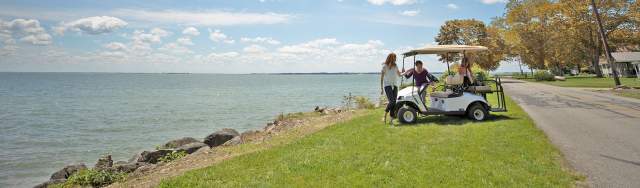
x=627 y=64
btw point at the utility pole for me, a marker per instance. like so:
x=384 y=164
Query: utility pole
x=607 y=51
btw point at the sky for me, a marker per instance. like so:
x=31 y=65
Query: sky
x=239 y=36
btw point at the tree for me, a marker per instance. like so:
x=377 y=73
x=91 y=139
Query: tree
x=557 y=34
x=615 y=16
x=472 y=32
x=528 y=31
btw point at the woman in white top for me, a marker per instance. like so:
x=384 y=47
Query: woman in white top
x=389 y=84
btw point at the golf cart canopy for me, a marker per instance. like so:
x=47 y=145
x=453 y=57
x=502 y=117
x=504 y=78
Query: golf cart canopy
x=443 y=49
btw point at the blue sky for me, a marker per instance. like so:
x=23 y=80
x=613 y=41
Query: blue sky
x=241 y=36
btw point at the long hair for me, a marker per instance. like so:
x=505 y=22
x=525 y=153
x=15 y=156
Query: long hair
x=465 y=62
x=391 y=60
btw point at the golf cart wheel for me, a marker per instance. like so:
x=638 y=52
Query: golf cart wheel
x=407 y=115
x=477 y=112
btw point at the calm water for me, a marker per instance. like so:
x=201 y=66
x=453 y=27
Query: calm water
x=49 y=120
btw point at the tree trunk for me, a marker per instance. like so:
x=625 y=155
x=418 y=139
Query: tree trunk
x=595 y=56
x=579 y=67
x=520 y=64
x=595 y=62
x=531 y=68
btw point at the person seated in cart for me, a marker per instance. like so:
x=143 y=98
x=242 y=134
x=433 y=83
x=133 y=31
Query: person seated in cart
x=423 y=79
x=465 y=72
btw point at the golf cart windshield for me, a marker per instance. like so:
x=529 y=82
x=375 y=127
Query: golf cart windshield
x=444 y=49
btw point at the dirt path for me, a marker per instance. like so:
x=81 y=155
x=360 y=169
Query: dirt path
x=598 y=133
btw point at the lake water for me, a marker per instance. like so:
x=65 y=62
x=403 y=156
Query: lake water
x=49 y=120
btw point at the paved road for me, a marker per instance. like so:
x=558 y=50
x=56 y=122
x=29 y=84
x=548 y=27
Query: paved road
x=599 y=134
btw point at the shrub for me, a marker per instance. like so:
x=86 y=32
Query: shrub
x=382 y=101
x=94 y=178
x=481 y=75
x=347 y=101
x=174 y=155
x=543 y=76
x=447 y=73
x=364 y=103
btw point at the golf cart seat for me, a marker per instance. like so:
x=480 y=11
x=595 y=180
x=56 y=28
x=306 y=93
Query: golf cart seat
x=480 y=89
x=441 y=94
x=454 y=80
x=453 y=84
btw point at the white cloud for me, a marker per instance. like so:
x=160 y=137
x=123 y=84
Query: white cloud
x=116 y=46
x=410 y=12
x=393 y=2
x=325 y=54
x=175 y=48
x=191 y=31
x=39 y=39
x=266 y=40
x=313 y=46
x=226 y=57
x=452 y=6
x=153 y=36
x=404 y=21
x=185 y=41
x=8 y=50
x=320 y=55
x=26 y=30
x=93 y=25
x=254 y=49
x=493 y=1
x=218 y=36
x=206 y=18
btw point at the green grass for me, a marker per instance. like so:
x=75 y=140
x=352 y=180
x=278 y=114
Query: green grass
x=505 y=151
x=593 y=82
x=630 y=94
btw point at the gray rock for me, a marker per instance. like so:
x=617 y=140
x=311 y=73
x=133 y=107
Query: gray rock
x=234 y=141
x=128 y=167
x=67 y=171
x=136 y=158
x=220 y=137
x=270 y=126
x=249 y=133
x=180 y=142
x=205 y=149
x=104 y=162
x=144 y=168
x=50 y=182
x=192 y=147
x=153 y=156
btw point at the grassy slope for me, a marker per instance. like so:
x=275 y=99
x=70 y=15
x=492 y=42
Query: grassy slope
x=592 y=82
x=506 y=151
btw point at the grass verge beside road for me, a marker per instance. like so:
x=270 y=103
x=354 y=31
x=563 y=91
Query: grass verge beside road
x=593 y=82
x=505 y=151
x=602 y=85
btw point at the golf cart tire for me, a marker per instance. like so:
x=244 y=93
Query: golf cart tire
x=407 y=115
x=477 y=112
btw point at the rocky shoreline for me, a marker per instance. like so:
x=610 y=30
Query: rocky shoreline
x=146 y=161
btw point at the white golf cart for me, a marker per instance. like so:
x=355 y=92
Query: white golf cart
x=454 y=98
